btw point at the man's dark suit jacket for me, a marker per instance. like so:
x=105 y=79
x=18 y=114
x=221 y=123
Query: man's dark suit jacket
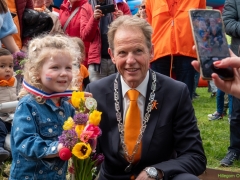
x=171 y=141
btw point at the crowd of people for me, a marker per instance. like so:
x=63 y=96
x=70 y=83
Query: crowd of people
x=123 y=61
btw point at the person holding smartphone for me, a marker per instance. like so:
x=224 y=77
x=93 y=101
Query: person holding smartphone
x=93 y=28
x=231 y=17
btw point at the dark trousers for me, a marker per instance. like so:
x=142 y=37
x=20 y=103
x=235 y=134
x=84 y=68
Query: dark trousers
x=235 y=127
x=185 y=176
x=5 y=128
x=182 y=67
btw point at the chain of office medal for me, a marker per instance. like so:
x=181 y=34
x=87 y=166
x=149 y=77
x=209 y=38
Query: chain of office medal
x=130 y=158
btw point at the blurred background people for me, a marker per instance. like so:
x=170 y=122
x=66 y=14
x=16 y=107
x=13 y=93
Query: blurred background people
x=70 y=18
x=172 y=38
x=39 y=5
x=8 y=85
x=94 y=28
x=142 y=11
x=17 y=8
x=7 y=28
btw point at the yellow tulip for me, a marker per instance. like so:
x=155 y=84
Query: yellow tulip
x=68 y=125
x=95 y=117
x=76 y=98
x=82 y=150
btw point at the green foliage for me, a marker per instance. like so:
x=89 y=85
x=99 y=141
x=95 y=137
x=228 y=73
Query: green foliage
x=215 y=134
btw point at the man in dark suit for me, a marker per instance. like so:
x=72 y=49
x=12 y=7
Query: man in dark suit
x=169 y=145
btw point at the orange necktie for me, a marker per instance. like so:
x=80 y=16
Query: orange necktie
x=132 y=124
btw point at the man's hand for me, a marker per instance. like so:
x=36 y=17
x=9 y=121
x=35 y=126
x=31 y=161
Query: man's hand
x=118 y=13
x=97 y=14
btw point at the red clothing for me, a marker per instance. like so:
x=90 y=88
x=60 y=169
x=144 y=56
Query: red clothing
x=73 y=28
x=90 y=30
x=21 y=5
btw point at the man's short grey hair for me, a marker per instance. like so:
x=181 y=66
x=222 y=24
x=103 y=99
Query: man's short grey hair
x=127 y=21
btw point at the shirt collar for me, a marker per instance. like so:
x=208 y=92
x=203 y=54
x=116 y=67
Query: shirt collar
x=142 y=88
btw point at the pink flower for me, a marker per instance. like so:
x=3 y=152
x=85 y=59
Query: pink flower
x=86 y=135
x=95 y=129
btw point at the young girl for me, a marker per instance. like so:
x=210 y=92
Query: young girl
x=7 y=94
x=50 y=70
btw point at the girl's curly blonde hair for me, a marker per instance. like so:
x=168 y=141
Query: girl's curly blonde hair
x=42 y=48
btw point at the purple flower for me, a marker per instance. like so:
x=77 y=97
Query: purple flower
x=68 y=138
x=98 y=158
x=19 y=55
x=19 y=59
x=80 y=118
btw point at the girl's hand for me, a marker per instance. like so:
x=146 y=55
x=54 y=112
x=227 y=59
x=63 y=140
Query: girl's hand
x=60 y=146
x=87 y=94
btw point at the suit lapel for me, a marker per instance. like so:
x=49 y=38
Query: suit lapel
x=151 y=124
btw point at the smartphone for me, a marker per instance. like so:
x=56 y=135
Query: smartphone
x=107 y=8
x=210 y=41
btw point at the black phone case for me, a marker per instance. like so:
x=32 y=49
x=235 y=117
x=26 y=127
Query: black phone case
x=210 y=46
x=107 y=8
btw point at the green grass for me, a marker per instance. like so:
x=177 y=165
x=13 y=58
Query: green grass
x=215 y=134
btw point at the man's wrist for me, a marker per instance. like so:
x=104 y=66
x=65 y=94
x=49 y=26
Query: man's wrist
x=152 y=172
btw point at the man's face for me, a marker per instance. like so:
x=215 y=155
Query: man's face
x=131 y=55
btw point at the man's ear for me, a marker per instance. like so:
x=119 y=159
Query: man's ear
x=110 y=52
x=152 y=52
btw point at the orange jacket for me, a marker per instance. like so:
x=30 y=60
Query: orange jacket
x=172 y=34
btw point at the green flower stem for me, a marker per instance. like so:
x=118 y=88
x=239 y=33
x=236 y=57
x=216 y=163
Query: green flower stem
x=86 y=166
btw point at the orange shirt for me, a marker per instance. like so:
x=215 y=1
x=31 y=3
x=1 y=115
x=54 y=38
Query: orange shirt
x=82 y=75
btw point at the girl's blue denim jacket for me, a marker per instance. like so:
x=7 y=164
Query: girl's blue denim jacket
x=34 y=135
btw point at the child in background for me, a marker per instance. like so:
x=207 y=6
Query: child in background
x=83 y=74
x=43 y=107
x=142 y=11
x=7 y=94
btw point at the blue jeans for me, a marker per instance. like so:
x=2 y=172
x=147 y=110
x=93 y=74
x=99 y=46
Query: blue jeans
x=235 y=127
x=182 y=67
x=220 y=102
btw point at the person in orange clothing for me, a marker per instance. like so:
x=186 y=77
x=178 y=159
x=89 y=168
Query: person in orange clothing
x=83 y=74
x=17 y=7
x=172 y=38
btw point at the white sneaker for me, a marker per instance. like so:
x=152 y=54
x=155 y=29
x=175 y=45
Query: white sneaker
x=210 y=115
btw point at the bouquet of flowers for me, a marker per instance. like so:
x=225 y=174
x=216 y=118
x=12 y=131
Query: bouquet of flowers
x=19 y=59
x=80 y=135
